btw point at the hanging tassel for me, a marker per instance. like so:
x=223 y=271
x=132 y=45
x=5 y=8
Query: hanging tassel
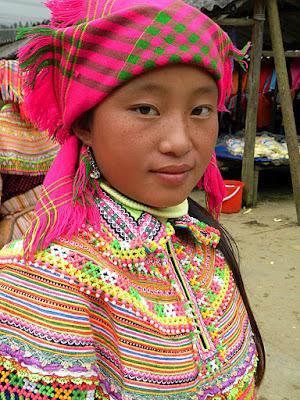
x=65 y=13
x=225 y=83
x=84 y=187
x=66 y=201
x=38 y=64
x=214 y=187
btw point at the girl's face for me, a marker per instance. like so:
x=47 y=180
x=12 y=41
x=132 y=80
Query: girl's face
x=154 y=137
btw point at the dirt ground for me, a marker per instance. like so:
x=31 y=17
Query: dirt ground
x=269 y=243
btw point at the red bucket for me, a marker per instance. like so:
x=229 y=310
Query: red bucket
x=232 y=203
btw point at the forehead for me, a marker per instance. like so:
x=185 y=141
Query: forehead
x=187 y=78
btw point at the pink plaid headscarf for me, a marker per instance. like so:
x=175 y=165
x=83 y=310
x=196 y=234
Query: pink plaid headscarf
x=90 y=48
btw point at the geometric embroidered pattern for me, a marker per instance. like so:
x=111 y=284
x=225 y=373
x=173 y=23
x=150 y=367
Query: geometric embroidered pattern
x=107 y=315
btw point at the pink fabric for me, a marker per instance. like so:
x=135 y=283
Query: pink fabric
x=213 y=184
x=295 y=73
x=83 y=63
x=90 y=48
x=66 y=200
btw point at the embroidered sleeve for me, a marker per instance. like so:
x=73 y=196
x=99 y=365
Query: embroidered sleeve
x=46 y=344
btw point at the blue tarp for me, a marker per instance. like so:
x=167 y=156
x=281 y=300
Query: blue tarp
x=222 y=152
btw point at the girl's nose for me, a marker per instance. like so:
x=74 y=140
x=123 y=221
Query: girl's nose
x=176 y=138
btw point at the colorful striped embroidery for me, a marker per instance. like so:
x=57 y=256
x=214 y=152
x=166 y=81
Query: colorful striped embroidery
x=110 y=315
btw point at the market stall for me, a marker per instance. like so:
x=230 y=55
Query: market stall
x=245 y=22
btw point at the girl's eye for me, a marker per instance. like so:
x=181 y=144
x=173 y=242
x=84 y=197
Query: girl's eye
x=146 y=110
x=201 y=111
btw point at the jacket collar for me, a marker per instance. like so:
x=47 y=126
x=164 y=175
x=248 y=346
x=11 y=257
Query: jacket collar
x=136 y=208
x=148 y=224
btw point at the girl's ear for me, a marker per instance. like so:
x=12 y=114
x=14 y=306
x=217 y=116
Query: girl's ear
x=82 y=128
x=84 y=134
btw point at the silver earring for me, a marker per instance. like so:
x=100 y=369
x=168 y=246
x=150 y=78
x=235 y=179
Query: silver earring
x=95 y=173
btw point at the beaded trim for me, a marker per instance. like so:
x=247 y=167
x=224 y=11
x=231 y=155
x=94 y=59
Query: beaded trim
x=154 y=314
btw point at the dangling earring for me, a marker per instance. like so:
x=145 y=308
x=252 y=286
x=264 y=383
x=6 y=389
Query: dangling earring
x=95 y=173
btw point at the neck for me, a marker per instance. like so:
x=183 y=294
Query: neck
x=176 y=211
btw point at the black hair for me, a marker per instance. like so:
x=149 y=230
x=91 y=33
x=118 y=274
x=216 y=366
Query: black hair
x=229 y=249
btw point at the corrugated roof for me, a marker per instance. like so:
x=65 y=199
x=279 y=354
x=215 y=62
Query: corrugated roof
x=209 y=4
x=9 y=50
x=7 y=35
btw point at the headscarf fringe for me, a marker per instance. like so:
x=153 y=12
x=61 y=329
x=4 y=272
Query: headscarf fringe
x=40 y=99
x=226 y=80
x=214 y=187
x=84 y=187
x=66 y=201
x=65 y=12
x=239 y=55
x=43 y=108
x=39 y=236
x=225 y=84
x=34 y=31
x=41 y=43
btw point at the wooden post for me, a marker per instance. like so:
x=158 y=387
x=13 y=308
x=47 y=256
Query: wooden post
x=239 y=111
x=288 y=53
x=285 y=100
x=235 y=22
x=252 y=104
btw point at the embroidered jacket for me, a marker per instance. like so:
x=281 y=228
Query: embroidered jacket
x=144 y=308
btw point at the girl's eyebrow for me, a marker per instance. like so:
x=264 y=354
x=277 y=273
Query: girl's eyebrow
x=206 y=89
x=148 y=87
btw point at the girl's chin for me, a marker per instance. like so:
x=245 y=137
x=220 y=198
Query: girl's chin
x=164 y=202
x=159 y=196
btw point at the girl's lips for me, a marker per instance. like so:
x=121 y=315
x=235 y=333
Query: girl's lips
x=174 y=169
x=171 y=178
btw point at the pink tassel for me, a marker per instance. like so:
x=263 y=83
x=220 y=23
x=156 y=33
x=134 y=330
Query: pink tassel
x=44 y=113
x=39 y=37
x=60 y=211
x=66 y=12
x=213 y=184
x=84 y=187
x=225 y=84
x=84 y=191
x=80 y=182
x=40 y=98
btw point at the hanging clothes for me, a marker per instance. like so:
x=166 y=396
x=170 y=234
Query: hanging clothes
x=295 y=73
x=266 y=85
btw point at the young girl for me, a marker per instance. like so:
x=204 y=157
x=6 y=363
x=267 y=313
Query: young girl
x=124 y=288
